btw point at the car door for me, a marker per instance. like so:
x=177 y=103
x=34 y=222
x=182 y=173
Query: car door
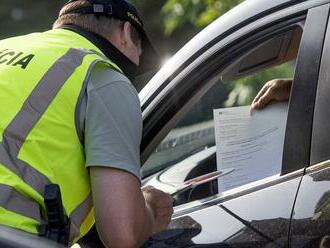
x=310 y=226
x=256 y=214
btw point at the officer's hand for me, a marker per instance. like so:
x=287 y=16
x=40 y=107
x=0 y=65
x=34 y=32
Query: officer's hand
x=161 y=205
x=274 y=90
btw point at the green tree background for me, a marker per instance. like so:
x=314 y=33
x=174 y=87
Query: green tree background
x=170 y=24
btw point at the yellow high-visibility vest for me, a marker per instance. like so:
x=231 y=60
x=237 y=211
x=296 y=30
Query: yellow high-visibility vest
x=42 y=76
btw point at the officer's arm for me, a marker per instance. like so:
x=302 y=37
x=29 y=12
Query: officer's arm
x=123 y=219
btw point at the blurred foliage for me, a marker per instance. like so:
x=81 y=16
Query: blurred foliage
x=180 y=20
x=196 y=12
x=19 y=17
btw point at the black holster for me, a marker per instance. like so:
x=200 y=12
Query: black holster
x=57 y=226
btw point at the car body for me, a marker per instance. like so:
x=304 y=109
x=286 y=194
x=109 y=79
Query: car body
x=288 y=209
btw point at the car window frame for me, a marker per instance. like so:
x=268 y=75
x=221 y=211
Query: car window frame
x=151 y=98
x=270 y=30
x=297 y=144
x=321 y=124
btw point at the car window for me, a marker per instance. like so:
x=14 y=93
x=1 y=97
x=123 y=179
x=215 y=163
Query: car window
x=189 y=148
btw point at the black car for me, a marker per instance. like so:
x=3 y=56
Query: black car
x=290 y=208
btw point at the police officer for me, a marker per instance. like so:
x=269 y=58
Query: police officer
x=70 y=116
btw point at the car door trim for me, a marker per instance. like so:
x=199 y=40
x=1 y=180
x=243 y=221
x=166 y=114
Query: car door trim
x=236 y=192
x=318 y=167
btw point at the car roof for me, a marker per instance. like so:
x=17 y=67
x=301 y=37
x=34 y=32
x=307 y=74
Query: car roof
x=248 y=11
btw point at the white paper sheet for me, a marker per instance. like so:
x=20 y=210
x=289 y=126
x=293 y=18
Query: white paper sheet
x=251 y=143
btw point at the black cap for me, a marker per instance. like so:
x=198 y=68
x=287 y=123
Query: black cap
x=123 y=10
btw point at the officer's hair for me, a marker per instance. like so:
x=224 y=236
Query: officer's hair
x=98 y=24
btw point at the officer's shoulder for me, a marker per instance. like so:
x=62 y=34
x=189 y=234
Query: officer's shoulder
x=107 y=70
x=102 y=75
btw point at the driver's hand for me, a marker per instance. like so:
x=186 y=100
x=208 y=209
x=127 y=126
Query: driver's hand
x=161 y=205
x=274 y=90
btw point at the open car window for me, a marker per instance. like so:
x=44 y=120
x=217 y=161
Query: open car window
x=189 y=149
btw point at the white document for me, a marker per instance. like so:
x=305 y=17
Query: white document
x=251 y=143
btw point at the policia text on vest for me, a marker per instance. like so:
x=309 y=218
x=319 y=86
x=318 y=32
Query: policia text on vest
x=14 y=58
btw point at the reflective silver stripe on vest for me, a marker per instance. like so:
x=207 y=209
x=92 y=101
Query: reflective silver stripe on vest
x=31 y=112
x=15 y=202
x=27 y=173
x=78 y=216
x=40 y=98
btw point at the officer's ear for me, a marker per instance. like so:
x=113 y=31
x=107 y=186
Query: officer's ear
x=126 y=34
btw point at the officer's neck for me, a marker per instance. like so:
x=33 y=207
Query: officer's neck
x=108 y=49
